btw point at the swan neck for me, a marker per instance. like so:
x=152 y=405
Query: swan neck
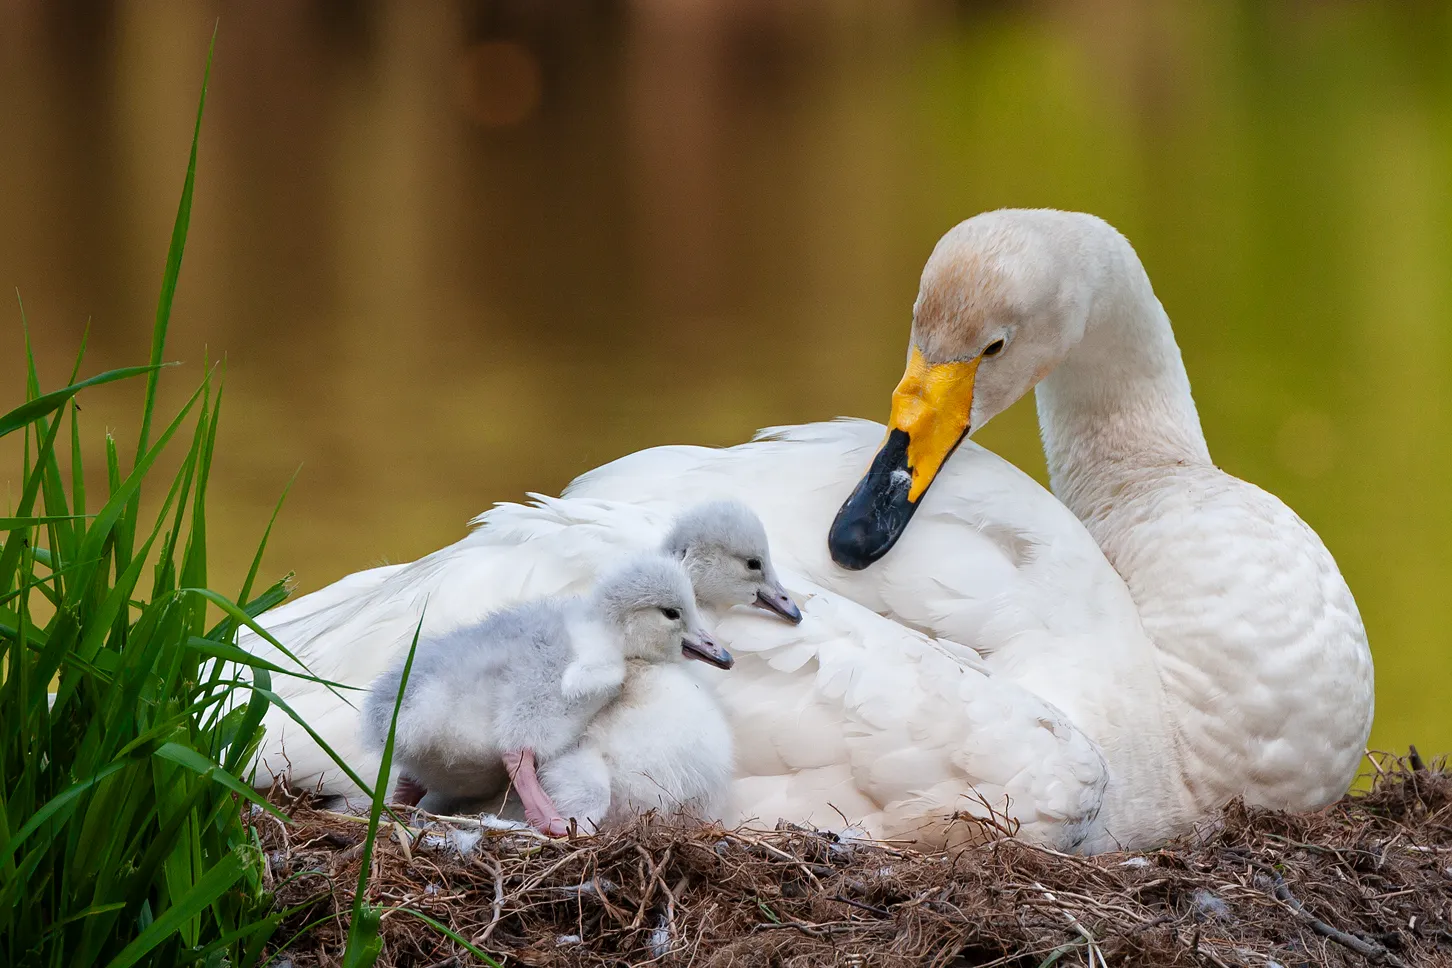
x=1119 y=407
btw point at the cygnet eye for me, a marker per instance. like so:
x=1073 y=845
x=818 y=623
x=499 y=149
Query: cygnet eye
x=753 y=564
x=671 y=613
x=994 y=348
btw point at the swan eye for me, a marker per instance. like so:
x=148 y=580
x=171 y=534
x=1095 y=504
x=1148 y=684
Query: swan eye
x=994 y=348
x=671 y=613
x=753 y=564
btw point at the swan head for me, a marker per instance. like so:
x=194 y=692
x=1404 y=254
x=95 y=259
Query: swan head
x=650 y=601
x=1003 y=299
x=723 y=546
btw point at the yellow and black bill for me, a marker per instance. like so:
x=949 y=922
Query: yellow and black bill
x=931 y=414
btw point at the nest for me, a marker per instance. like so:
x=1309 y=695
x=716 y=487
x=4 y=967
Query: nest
x=1366 y=881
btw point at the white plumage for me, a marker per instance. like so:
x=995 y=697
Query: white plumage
x=665 y=744
x=1104 y=666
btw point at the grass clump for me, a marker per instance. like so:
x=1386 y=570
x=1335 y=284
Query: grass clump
x=128 y=724
x=122 y=838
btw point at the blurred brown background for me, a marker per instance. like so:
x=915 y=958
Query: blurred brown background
x=453 y=251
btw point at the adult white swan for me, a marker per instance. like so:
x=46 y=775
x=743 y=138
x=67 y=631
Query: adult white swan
x=1157 y=639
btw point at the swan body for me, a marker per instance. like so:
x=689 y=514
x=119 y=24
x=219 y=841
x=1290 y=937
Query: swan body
x=1103 y=665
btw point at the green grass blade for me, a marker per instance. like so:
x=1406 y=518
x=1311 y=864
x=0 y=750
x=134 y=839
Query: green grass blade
x=267 y=533
x=48 y=403
x=266 y=925
x=37 y=583
x=452 y=935
x=89 y=912
x=61 y=533
x=200 y=765
x=52 y=807
x=18 y=539
x=341 y=763
x=207 y=889
x=303 y=931
x=275 y=595
x=78 y=474
x=112 y=512
x=165 y=579
x=364 y=944
x=236 y=654
x=30 y=521
x=1058 y=953
x=194 y=559
x=234 y=612
x=81 y=351
x=174 y=258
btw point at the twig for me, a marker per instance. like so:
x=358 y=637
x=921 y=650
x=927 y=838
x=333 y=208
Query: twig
x=671 y=894
x=1414 y=759
x=494 y=825
x=1083 y=931
x=815 y=930
x=1096 y=903
x=700 y=933
x=498 y=910
x=880 y=912
x=1367 y=949
x=601 y=891
x=402 y=835
x=1318 y=849
x=779 y=853
x=1205 y=952
x=540 y=877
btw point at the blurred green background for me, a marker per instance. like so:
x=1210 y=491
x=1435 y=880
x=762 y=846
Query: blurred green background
x=454 y=251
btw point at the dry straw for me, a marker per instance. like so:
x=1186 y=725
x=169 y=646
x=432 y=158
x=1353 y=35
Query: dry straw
x=1366 y=881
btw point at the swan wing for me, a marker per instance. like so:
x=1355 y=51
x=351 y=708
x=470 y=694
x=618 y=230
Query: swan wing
x=853 y=717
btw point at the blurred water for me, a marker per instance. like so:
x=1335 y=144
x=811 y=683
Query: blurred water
x=454 y=252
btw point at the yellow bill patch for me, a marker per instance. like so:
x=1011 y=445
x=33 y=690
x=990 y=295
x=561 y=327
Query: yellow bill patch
x=932 y=405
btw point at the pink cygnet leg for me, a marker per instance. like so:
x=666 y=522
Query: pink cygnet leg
x=409 y=791
x=539 y=809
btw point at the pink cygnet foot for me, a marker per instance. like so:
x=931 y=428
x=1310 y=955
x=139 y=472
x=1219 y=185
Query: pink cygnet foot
x=539 y=809
x=409 y=791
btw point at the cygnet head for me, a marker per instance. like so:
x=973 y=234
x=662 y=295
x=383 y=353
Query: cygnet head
x=724 y=549
x=650 y=601
x=1003 y=299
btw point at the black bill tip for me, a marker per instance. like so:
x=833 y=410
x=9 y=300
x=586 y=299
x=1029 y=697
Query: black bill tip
x=708 y=651
x=878 y=510
x=780 y=603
